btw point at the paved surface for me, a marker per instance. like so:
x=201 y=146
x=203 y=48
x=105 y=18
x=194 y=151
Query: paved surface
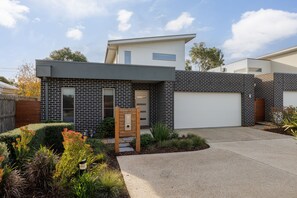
x=232 y=134
x=257 y=164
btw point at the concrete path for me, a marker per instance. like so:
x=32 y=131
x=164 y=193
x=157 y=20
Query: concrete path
x=249 y=163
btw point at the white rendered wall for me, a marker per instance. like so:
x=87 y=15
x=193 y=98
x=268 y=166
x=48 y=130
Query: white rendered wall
x=263 y=64
x=286 y=63
x=142 y=53
x=290 y=98
x=239 y=65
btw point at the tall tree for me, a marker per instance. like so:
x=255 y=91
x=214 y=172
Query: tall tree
x=206 y=58
x=188 y=66
x=66 y=54
x=27 y=82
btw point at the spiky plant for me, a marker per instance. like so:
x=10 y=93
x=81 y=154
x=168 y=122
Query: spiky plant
x=39 y=171
x=13 y=183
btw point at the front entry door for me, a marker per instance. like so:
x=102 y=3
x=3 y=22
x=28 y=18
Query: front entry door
x=142 y=101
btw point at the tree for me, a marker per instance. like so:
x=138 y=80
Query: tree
x=188 y=66
x=27 y=82
x=66 y=54
x=206 y=58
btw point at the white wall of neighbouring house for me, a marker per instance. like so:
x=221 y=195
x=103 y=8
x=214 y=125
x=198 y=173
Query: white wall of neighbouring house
x=142 y=53
x=263 y=65
x=237 y=67
x=286 y=63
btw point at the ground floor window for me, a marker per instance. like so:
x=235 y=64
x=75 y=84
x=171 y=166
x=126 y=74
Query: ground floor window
x=108 y=102
x=68 y=100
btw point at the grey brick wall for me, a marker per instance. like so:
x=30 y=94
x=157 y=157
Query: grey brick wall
x=190 y=81
x=88 y=99
x=271 y=88
x=165 y=113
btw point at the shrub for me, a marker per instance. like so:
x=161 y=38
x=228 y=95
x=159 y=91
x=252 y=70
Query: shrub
x=84 y=186
x=53 y=137
x=161 y=132
x=97 y=145
x=75 y=151
x=39 y=171
x=290 y=123
x=4 y=154
x=21 y=146
x=10 y=136
x=105 y=128
x=145 y=141
x=13 y=184
x=188 y=143
x=110 y=184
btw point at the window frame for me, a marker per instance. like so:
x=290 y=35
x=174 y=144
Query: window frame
x=113 y=92
x=130 y=58
x=156 y=56
x=62 y=106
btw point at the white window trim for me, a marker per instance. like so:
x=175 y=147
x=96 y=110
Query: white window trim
x=62 y=115
x=113 y=91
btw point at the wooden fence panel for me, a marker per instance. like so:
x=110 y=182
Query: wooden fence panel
x=7 y=113
x=27 y=112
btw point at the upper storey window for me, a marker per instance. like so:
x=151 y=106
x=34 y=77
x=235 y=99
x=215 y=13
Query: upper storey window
x=164 y=57
x=127 y=57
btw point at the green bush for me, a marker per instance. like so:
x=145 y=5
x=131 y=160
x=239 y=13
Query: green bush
x=4 y=153
x=39 y=170
x=188 y=143
x=105 y=128
x=161 y=132
x=84 y=186
x=53 y=137
x=110 y=184
x=290 y=124
x=39 y=139
x=97 y=145
x=145 y=141
x=75 y=150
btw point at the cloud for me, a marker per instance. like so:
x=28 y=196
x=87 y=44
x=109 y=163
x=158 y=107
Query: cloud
x=75 y=33
x=11 y=12
x=183 y=21
x=255 y=29
x=124 y=18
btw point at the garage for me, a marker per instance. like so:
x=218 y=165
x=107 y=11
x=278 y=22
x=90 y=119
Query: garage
x=205 y=110
x=290 y=98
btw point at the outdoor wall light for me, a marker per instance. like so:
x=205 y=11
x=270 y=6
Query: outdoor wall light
x=250 y=95
x=82 y=166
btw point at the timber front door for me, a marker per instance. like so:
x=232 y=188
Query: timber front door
x=142 y=101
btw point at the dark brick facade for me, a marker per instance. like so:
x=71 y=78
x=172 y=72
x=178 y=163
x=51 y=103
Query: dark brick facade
x=271 y=88
x=88 y=95
x=190 y=81
x=88 y=99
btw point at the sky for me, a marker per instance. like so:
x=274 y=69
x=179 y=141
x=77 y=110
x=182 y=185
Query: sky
x=31 y=29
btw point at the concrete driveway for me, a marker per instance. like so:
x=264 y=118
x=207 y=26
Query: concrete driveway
x=242 y=162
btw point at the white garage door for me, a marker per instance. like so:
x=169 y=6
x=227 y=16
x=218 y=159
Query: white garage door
x=203 y=110
x=290 y=98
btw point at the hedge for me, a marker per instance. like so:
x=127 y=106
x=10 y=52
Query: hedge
x=48 y=134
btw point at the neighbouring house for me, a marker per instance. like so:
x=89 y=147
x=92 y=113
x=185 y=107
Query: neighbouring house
x=7 y=89
x=278 y=89
x=86 y=93
x=284 y=61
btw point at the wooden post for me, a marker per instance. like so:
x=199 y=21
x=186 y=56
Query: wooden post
x=138 y=129
x=117 y=130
